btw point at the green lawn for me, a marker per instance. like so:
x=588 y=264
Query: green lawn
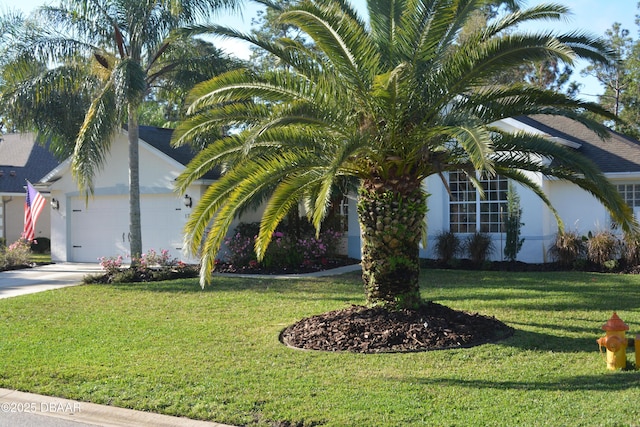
x=170 y=347
x=40 y=258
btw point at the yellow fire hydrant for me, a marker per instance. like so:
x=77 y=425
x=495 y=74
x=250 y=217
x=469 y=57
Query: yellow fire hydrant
x=615 y=342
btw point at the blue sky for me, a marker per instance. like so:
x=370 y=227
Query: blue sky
x=594 y=16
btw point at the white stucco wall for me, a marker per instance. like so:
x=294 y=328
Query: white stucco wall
x=13 y=218
x=578 y=209
x=163 y=213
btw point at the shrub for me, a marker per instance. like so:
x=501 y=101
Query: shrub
x=448 y=246
x=479 y=247
x=284 y=251
x=630 y=250
x=240 y=246
x=512 y=224
x=315 y=250
x=602 y=247
x=128 y=275
x=17 y=254
x=150 y=267
x=160 y=260
x=111 y=265
x=567 y=248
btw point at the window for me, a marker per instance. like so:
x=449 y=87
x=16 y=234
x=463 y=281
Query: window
x=468 y=212
x=630 y=193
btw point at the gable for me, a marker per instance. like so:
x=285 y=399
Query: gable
x=22 y=159
x=160 y=163
x=160 y=139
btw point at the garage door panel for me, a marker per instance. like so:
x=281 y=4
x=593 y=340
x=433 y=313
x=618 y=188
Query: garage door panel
x=99 y=228
x=102 y=228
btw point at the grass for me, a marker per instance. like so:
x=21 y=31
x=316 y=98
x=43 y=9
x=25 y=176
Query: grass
x=40 y=258
x=172 y=348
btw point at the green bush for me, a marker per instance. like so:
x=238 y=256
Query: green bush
x=567 y=248
x=448 y=246
x=479 y=246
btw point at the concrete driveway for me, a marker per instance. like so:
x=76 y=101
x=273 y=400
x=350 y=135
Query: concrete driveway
x=43 y=278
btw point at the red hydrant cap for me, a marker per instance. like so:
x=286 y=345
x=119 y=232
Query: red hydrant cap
x=615 y=324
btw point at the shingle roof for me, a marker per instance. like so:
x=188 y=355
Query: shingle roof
x=160 y=139
x=618 y=153
x=21 y=159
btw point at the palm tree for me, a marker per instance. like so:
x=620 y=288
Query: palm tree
x=123 y=47
x=389 y=103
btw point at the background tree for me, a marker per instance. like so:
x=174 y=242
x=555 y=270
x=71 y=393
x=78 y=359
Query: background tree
x=549 y=73
x=267 y=26
x=192 y=61
x=32 y=96
x=124 y=47
x=616 y=74
x=389 y=103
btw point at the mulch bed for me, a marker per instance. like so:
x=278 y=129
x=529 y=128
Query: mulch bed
x=329 y=264
x=377 y=330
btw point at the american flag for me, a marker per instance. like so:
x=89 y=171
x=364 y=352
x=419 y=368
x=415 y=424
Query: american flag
x=33 y=205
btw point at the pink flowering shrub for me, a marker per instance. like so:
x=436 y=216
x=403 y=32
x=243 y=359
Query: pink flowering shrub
x=159 y=260
x=318 y=249
x=239 y=247
x=15 y=255
x=284 y=251
x=149 y=267
x=111 y=265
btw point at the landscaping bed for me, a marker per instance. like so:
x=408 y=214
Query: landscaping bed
x=376 y=330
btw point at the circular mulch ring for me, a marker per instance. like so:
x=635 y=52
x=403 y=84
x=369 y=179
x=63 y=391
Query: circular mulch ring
x=377 y=330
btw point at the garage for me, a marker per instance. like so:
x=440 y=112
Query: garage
x=101 y=228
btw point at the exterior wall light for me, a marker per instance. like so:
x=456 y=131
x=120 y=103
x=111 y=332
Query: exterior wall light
x=55 y=204
x=187 y=201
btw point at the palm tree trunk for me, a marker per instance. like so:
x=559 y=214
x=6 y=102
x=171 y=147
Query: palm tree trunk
x=135 y=228
x=392 y=218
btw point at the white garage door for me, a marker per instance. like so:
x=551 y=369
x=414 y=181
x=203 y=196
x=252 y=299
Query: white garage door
x=102 y=228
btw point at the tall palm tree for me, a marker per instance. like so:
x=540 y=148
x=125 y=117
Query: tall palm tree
x=389 y=103
x=129 y=45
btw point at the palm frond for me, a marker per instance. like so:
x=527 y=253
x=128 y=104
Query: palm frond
x=94 y=139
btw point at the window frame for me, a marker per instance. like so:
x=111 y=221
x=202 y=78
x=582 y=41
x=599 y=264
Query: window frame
x=468 y=212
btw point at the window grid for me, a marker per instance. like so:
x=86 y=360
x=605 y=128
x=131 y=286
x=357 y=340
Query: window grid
x=630 y=193
x=468 y=212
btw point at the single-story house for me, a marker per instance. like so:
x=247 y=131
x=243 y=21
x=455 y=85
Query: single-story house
x=22 y=159
x=462 y=211
x=85 y=230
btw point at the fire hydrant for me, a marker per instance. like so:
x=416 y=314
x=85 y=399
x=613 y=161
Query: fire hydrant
x=615 y=342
